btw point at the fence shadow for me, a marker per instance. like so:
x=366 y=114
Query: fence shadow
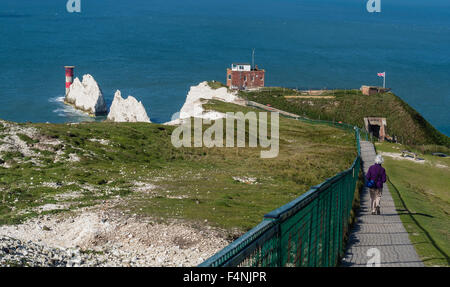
x=411 y=215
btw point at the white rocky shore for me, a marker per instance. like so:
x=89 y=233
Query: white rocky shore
x=193 y=106
x=87 y=96
x=127 y=110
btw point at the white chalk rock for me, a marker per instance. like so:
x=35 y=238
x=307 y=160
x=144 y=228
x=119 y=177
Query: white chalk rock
x=193 y=104
x=129 y=110
x=86 y=96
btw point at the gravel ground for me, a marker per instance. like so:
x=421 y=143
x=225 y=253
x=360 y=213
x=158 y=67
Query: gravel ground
x=14 y=252
x=104 y=236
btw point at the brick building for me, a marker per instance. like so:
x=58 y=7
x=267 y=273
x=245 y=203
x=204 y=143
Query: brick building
x=241 y=76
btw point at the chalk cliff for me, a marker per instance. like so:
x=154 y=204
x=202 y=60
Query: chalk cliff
x=127 y=110
x=86 y=96
x=193 y=105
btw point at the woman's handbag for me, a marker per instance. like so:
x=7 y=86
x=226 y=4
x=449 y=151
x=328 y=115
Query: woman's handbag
x=370 y=184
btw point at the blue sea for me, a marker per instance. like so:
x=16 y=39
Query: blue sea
x=156 y=50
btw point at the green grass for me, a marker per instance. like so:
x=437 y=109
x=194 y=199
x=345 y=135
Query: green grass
x=421 y=195
x=350 y=106
x=201 y=177
x=216 y=85
x=27 y=139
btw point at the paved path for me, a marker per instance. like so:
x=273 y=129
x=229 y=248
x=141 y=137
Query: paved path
x=384 y=232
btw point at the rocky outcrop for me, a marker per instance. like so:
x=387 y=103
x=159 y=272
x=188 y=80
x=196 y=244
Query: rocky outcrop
x=26 y=143
x=86 y=96
x=129 y=110
x=195 y=98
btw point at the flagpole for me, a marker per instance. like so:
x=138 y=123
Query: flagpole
x=384 y=80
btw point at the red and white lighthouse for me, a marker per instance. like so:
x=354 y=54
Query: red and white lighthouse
x=69 y=77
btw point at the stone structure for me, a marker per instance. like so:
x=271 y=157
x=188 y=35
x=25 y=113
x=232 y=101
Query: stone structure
x=376 y=126
x=372 y=90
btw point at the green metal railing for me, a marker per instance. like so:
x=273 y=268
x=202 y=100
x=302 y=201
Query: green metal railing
x=308 y=231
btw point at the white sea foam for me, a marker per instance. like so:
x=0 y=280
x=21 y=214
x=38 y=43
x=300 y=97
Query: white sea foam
x=56 y=100
x=67 y=111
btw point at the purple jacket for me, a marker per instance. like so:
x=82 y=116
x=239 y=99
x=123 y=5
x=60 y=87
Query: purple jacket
x=378 y=174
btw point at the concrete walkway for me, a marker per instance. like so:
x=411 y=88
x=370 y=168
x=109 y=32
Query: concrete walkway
x=384 y=232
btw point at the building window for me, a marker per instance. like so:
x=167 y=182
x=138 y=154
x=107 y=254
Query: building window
x=229 y=77
x=241 y=67
x=245 y=78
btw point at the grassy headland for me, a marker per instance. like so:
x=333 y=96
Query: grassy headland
x=351 y=106
x=421 y=195
x=94 y=161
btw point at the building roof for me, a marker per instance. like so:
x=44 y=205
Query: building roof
x=241 y=64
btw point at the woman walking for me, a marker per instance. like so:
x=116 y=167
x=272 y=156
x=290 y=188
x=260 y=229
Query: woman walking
x=376 y=176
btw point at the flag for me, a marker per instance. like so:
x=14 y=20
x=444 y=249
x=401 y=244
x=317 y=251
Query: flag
x=381 y=74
